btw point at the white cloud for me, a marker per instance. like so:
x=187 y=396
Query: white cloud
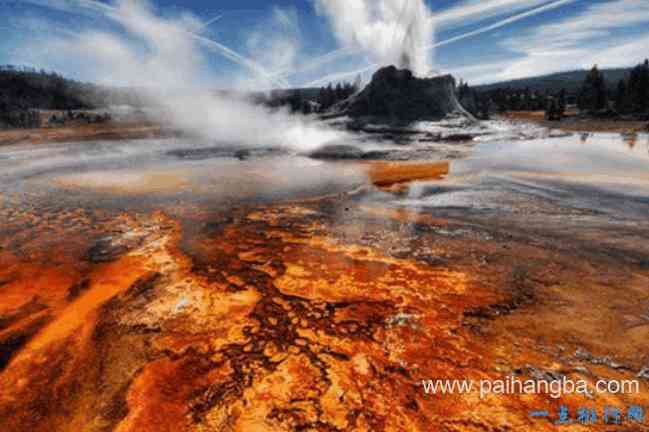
x=502 y=23
x=475 y=74
x=469 y=11
x=608 y=33
x=474 y=11
x=164 y=56
x=465 y=13
x=592 y=36
x=191 y=25
x=276 y=42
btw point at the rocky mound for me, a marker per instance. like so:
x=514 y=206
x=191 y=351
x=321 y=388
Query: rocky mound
x=397 y=95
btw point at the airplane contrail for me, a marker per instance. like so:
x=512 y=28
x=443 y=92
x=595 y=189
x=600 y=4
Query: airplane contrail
x=470 y=12
x=319 y=61
x=211 y=21
x=452 y=15
x=111 y=12
x=240 y=60
x=510 y=20
x=549 y=6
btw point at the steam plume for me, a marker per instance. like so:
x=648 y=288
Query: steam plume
x=107 y=10
x=162 y=56
x=431 y=46
x=387 y=31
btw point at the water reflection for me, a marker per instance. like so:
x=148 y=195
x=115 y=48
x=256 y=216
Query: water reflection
x=558 y=176
x=631 y=139
x=146 y=172
x=613 y=155
x=150 y=170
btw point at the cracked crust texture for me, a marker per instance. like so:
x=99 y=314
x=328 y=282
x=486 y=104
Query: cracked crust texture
x=320 y=315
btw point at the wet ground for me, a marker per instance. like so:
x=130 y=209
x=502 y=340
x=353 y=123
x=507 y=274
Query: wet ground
x=171 y=285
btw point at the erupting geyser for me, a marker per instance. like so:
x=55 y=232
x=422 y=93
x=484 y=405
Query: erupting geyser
x=388 y=32
x=398 y=33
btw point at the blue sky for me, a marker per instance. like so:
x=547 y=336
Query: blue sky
x=480 y=40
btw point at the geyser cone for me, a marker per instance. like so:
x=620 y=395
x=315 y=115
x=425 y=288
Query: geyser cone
x=397 y=95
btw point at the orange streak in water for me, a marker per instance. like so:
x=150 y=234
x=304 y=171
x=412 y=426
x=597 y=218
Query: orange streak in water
x=387 y=173
x=106 y=282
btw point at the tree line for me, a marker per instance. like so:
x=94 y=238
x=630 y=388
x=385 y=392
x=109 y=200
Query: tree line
x=629 y=97
x=595 y=96
x=25 y=90
x=330 y=95
x=632 y=94
x=503 y=99
x=310 y=100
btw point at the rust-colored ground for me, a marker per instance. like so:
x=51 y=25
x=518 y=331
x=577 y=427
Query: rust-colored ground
x=85 y=132
x=319 y=315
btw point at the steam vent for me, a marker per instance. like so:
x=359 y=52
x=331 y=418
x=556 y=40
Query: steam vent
x=396 y=95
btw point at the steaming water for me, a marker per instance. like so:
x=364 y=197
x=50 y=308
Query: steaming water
x=599 y=174
x=592 y=186
x=162 y=171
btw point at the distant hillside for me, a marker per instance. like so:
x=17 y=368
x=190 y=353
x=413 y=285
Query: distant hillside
x=571 y=81
x=25 y=88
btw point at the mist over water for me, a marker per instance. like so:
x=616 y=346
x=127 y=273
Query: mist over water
x=166 y=59
x=388 y=32
x=163 y=59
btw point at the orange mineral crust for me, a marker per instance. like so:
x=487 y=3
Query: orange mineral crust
x=321 y=315
x=387 y=174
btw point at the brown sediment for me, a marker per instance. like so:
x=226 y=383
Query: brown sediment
x=293 y=317
x=405 y=215
x=573 y=124
x=90 y=132
x=127 y=182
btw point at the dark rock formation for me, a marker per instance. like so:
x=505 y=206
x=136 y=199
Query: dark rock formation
x=337 y=152
x=396 y=95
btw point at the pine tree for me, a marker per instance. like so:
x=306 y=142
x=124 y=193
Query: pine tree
x=562 y=101
x=638 y=88
x=339 y=93
x=322 y=94
x=621 y=97
x=592 y=96
x=331 y=95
